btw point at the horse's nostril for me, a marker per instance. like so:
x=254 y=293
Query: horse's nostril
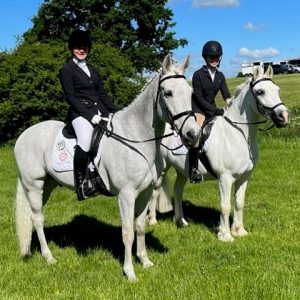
x=191 y=135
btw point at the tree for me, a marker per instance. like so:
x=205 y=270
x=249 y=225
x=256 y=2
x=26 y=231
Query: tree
x=129 y=37
x=139 y=29
x=30 y=91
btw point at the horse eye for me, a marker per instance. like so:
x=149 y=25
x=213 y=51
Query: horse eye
x=259 y=92
x=168 y=94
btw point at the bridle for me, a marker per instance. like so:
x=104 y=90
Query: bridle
x=264 y=110
x=171 y=118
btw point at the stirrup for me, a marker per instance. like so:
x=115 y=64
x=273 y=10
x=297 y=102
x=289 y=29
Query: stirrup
x=85 y=190
x=196 y=176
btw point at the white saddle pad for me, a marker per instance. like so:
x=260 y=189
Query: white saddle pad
x=179 y=148
x=63 y=153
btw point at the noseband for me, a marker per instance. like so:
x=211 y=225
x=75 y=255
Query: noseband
x=171 y=118
x=263 y=110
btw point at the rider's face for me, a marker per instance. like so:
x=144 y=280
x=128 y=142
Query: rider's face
x=213 y=60
x=80 y=52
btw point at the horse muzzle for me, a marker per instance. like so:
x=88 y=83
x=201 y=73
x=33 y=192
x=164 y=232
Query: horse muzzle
x=281 y=119
x=190 y=138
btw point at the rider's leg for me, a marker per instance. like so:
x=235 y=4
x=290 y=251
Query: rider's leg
x=194 y=172
x=83 y=130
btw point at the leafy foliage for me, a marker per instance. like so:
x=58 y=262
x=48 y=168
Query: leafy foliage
x=129 y=38
x=138 y=29
x=30 y=91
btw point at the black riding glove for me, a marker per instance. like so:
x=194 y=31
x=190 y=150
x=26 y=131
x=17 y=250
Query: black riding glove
x=219 y=112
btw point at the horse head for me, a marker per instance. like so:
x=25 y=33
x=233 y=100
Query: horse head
x=173 y=101
x=267 y=99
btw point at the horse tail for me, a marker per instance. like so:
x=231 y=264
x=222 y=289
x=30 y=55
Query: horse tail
x=164 y=199
x=23 y=219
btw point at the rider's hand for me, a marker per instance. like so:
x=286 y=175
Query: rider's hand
x=96 y=119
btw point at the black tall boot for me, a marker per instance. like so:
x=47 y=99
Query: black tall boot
x=83 y=187
x=195 y=174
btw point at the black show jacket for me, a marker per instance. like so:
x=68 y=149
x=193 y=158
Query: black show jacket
x=205 y=91
x=86 y=95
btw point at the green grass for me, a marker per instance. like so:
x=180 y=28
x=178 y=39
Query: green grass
x=190 y=263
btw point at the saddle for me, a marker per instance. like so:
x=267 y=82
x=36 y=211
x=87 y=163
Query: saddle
x=205 y=133
x=94 y=176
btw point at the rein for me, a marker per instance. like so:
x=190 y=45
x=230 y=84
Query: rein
x=111 y=133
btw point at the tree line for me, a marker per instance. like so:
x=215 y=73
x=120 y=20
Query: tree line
x=130 y=39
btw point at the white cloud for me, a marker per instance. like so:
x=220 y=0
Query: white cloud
x=251 y=27
x=256 y=53
x=218 y=3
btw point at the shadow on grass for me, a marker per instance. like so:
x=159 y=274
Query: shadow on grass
x=209 y=217
x=86 y=233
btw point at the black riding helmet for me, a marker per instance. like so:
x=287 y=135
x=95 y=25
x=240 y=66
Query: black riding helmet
x=80 y=38
x=212 y=48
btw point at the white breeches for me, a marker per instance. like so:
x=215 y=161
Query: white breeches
x=84 y=130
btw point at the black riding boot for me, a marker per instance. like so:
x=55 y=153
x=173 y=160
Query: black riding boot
x=83 y=187
x=195 y=174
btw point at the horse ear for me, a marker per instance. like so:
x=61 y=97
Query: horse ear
x=167 y=64
x=185 y=64
x=269 y=71
x=255 y=73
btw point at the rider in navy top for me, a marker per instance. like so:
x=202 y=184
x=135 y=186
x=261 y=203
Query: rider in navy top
x=207 y=82
x=84 y=91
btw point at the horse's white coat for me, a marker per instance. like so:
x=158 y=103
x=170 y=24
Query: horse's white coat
x=128 y=169
x=232 y=151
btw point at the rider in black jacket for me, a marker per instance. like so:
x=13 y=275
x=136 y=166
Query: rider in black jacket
x=84 y=91
x=207 y=82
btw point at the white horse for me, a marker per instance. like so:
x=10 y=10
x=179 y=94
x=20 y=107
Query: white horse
x=128 y=169
x=231 y=150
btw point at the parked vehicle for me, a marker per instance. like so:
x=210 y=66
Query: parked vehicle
x=296 y=68
x=280 y=69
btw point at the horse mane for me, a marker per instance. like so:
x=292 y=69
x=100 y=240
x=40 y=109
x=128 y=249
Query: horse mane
x=149 y=81
x=238 y=90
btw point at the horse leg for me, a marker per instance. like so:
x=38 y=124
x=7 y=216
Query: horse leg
x=126 y=202
x=178 y=195
x=141 y=211
x=35 y=195
x=225 y=184
x=151 y=218
x=237 y=228
x=160 y=199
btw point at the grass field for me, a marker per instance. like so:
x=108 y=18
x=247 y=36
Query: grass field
x=190 y=263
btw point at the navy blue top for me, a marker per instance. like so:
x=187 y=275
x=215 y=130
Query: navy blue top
x=205 y=91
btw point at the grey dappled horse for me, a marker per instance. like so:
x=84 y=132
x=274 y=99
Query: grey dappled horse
x=231 y=150
x=128 y=169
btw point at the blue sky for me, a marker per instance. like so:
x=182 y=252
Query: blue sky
x=248 y=30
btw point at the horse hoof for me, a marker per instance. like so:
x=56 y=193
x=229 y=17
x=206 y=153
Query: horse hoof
x=130 y=275
x=147 y=263
x=239 y=232
x=152 y=221
x=50 y=260
x=184 y=222
x=26 y=257
x=180 y=222
x=225 y=237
